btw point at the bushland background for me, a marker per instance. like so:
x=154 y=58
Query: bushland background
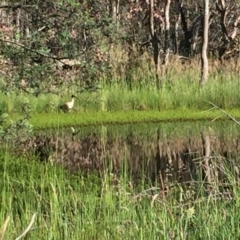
x=48 y=45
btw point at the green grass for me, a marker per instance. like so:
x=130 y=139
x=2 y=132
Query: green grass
x=177 y=93
x=106 y=206
x=56 y=120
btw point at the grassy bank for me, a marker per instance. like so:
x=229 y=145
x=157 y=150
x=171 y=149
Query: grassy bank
x=180 y=98
x=75 y=206
x=56 y=120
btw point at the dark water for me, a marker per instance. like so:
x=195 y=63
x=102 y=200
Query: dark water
x=166 y=152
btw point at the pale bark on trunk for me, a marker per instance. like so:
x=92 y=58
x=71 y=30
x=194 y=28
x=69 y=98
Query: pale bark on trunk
x=167 y=29
x=154 y=41
x=115 y=10
x=151 y=17
x=176 y=35
x=204 y=70
x=6 y=14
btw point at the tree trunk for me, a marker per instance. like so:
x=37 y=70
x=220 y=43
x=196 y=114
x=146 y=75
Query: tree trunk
x=204 y=70
x=176 y=35
x=167 y=28
x=115 y=10
x=154 y=41
x=6 y=14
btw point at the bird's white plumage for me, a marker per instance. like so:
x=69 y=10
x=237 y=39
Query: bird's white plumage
x=66 y=107
x=70 y=104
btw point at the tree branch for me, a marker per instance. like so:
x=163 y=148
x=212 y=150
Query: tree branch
x=15 y=6
x=223 y=11
x=183 y=19
x=37 y=52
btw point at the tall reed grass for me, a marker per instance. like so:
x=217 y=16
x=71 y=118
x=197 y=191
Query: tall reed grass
x=63 y=205
x=177 y=92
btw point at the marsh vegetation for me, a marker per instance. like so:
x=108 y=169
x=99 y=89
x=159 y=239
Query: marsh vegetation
x=146 y=151
x=137 y=181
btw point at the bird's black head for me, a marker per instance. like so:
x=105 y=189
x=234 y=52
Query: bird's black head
x=73 y=96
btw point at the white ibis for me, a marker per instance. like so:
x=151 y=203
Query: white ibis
x=66 y=107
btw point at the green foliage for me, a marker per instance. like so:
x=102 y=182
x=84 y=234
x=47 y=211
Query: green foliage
x=14 y=130
x=50 y=33
x=73 y=206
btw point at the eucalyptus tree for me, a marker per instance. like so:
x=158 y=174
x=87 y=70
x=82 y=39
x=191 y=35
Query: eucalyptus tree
x=167 y=31
x=204 y=56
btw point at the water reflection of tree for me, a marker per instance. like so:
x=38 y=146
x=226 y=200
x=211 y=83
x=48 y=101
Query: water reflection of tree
x=164 y=159
x=175 y=162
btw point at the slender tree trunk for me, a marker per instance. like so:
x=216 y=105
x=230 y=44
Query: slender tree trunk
x=204 y=70
x=167 y=29
x=115 y=10
x=176 y=29
x=151 y=17
x=154 y=41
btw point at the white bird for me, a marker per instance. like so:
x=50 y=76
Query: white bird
x=66 y=107
x=74 y=133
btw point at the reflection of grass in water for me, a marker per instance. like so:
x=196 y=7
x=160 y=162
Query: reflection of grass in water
x=150 y=130
x=77 y=206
